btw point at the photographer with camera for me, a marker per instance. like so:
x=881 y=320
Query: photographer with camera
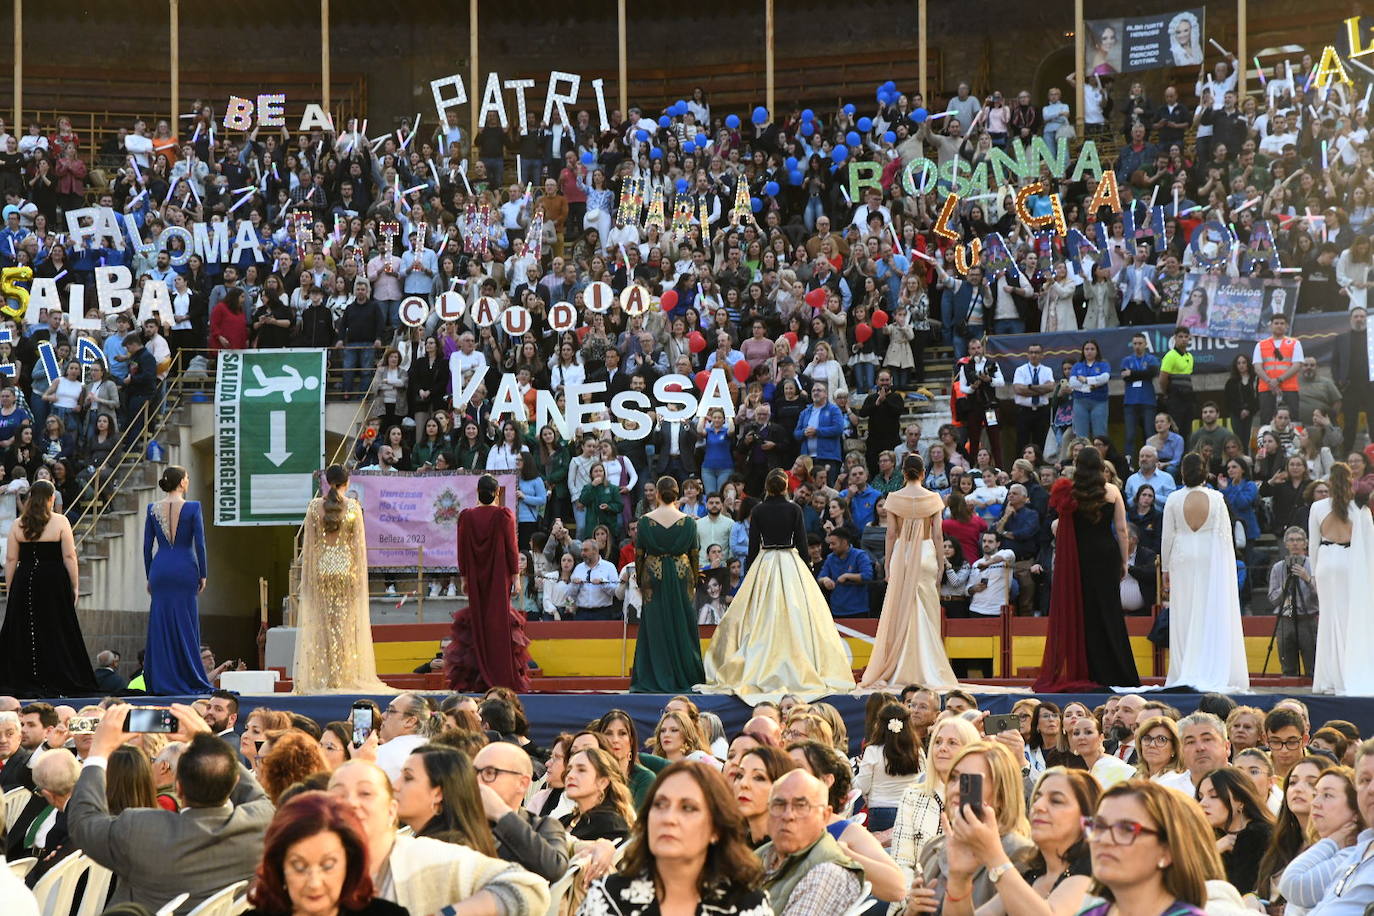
x=1294 y=597
x=976 y=378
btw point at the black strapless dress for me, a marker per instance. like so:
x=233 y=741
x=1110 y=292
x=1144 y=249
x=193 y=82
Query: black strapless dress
x=42 y=653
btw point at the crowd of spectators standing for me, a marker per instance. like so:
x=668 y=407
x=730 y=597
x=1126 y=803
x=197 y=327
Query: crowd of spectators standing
x=825 y=311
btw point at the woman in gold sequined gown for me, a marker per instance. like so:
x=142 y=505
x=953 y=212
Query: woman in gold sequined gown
x=334 y=627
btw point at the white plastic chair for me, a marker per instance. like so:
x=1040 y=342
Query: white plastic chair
x=15 y=801
x=56 y=889
x=170 y=907
x=21 y=867
x=97 y=888
x=864 y=902
x=220 y=902
x=559 y=889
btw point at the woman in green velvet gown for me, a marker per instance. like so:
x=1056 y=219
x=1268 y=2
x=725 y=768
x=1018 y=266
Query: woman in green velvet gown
x=668 y=650
x=602 y=503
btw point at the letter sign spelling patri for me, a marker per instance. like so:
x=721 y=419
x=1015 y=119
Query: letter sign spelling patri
x=269 y=435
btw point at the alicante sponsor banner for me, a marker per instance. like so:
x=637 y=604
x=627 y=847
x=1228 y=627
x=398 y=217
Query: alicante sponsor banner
x=1319 y=334
x=411 y=519
x=269 y=434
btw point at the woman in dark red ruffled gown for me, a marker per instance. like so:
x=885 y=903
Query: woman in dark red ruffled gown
x=1085 y=591
x=489 y=647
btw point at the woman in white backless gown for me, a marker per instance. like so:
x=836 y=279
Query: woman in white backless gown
x=1341 y=565
x=1206 y=645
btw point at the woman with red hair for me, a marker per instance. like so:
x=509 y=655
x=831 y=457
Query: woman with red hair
x=314 y=863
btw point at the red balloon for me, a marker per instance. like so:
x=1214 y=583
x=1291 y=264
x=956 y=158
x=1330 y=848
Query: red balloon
x=862 y=332
x=672 y=386
x=879 y=319
x=791 y=337
x=702 y=377
x=668 y=301
x=742 y=370
x=695 y=342
x=816 y=298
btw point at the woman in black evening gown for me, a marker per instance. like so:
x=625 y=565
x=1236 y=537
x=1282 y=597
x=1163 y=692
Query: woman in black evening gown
x=42 y=653
x=1085 y=599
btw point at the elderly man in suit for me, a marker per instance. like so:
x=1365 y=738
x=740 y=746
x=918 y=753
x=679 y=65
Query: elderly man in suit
x=41 y=829
x=675 y=449
x=216 y=840
x=14 y=760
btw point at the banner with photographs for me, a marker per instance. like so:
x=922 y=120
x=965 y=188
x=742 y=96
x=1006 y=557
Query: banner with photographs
x=1235 y=308
x=1144 y=42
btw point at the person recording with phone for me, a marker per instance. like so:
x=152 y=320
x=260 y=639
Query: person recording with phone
x=157 y=855
x=985 y=779
x=1293 y=592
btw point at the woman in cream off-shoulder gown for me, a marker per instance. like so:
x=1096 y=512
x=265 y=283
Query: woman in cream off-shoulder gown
x=909 y=648
x=334 y=626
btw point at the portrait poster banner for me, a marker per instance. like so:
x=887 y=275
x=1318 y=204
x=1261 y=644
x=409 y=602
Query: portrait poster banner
x=411 y=519
x=1235 y=308
x=1145 y=42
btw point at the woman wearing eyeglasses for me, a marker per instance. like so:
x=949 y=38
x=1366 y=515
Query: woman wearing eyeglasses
x=314 y=861
x=1158 y=741
x=1242 y=823
x=1152 y=853
x=1056 y=878
x=688 y=854
x=437 y=796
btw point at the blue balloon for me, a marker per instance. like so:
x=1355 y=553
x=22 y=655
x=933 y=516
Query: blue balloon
x=760 y=115
x=588 y=158
x=655 y=153
x=852 y=138
x=920 y=115
x=681 y=106
x=771 y=189
x=755 y=204
x=642 y=136
x=791 y=163
x=865 y=125
x=889 y=137
x=795 y=176
x=808 y=115
x=682 y=185
x=885 y=97
x=849 y=110
x=889 y=85
x=664 y=121
x=700 y=141
x=840 y=153
x=732 y=121
x=808 y=128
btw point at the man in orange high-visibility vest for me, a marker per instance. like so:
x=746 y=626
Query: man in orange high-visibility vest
x=1277 y=361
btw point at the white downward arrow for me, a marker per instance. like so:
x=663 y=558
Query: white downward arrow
x=277 y=453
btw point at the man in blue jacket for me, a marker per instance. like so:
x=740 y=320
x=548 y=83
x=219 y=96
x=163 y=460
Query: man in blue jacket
x=1138 y=371
x=820 y=429
x=845 y=574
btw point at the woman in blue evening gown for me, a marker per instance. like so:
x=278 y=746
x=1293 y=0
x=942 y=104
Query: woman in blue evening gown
x=176 y=575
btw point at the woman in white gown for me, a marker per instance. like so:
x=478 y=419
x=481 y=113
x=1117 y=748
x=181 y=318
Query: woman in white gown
x=1342 y=537
x=909 y=648
x=1206 y=646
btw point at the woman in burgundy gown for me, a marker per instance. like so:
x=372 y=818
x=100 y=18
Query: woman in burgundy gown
x=1090 y=552
x=489 y=647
